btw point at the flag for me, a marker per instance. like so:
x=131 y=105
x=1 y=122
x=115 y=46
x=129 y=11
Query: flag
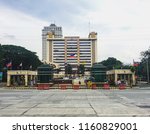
x=135 y=64
x=72 y=55
x=9 y=64
x=30 y=67
x=20 y=64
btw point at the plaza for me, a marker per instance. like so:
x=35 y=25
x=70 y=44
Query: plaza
x=75 y=103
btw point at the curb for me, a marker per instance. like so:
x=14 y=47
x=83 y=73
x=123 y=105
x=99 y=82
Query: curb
x=97 y=88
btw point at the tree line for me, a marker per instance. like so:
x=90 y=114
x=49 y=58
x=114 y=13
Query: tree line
x=21 y=58
x=141 y=68
x=17 y=57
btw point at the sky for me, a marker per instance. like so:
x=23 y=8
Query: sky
x=123 y=26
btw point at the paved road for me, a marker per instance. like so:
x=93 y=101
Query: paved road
x=131 y=102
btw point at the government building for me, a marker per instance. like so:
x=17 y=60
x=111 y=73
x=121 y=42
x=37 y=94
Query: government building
x=57 y=32
x=72 y=50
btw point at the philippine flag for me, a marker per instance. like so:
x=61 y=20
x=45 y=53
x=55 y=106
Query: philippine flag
x=73 y=55
x=9 y=64
x=136 y=64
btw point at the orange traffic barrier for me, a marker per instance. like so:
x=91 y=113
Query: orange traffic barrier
x=122 y=86
x=63 y=87
x=106 y=86
x=43 y=86
x=94 y=86
x=76 y=87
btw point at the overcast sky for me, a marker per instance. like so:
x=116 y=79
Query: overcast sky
x=123 y=26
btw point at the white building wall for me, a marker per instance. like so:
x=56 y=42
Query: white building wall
x=57 y=31
x=82 y=48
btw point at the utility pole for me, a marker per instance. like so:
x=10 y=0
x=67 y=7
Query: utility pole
x=147 y=70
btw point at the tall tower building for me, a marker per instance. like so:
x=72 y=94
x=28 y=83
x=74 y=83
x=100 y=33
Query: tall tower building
x=72 y=49
x=57 y=33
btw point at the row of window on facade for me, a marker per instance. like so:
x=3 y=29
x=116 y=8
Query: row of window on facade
x=70 y=43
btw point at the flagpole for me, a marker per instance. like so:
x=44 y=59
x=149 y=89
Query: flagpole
x=147 y=70
x=89 y=27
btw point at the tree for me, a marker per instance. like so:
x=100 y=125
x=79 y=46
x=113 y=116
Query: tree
x=145 y=54
x=18 y=55
x=1 y=57
x=133 y=69
x=112 y=63
x=144 y=65
x=81 y=69
x=68 y=69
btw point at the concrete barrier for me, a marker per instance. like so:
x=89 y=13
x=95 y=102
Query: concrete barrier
x=94 y=86
x=106 y=86
x=122 y=86
x=76 y=87
x=63 y=86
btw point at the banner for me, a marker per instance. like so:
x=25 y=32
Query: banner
x=74 y=125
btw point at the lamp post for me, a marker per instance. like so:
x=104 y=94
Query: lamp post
x=147 y=70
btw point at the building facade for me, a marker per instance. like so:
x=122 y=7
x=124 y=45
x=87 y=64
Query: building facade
x=72 y=50
x=125 y=75
x=21 y=77
x=56 y=31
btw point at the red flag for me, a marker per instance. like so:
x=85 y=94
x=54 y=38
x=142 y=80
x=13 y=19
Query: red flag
x=135 y=64
x=72 y=56
x=9 y=64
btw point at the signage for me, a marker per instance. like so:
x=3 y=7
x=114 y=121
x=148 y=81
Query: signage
x=1 y=74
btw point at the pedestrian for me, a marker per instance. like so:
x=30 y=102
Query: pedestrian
x=118 y=82
x=79 y=82
x=31 y=83
x=131 y=82
x=89 y=83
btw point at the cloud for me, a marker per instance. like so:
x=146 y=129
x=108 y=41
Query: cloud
x=20 y=29
x=123 y=26
x=48 y=9
x=8 y=36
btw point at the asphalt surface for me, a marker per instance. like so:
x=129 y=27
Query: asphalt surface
x=75 y=103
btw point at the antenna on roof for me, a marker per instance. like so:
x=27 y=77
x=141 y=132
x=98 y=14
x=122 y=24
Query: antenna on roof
x=89 y=27
x=52 y=21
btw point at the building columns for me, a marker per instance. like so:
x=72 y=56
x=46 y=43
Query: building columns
x=8 y=80
x=116 y=78
x=133 y=78
x=26 y=80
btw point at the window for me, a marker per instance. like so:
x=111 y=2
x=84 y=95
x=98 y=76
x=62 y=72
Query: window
x=59 y=42
x=85 y=50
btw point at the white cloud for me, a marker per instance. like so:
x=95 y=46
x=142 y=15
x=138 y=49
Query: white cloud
x=123 y=26
x=20 y=29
